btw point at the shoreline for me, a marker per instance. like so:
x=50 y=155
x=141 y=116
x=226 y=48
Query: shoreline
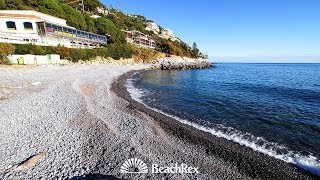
x=59 y=122
x=249 y=162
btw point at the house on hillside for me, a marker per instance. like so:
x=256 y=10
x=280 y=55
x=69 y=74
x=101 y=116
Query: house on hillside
x=28 y=26
x=140 y=39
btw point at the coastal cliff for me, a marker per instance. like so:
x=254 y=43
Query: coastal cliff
x=180 y=63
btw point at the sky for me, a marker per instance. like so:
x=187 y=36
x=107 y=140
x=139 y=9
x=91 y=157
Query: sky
x=239 y=30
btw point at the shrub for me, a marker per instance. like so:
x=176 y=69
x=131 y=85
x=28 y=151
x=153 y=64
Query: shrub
x=117 y=51
x=6 y=49
x=76 y=55
x=30 y=49
x=103 y=52
x=63 y=51
x=90 y=53
x=22 y=49
x=4 y=60
x=82 y=54
x=37 y=50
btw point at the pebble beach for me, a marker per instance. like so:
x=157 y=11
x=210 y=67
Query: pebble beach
x=79 y=122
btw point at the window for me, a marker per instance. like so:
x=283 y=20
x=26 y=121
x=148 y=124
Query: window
x=11 y=25
x=59 y=28
x=48 y=25
x=27 y=26
x=86 y=35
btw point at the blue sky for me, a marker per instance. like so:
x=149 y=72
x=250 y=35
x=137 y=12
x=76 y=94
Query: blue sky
x=240 y=30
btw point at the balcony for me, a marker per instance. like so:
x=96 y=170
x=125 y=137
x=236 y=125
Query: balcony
x=72 y=33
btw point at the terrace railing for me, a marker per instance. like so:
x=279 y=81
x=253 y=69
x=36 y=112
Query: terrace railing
x=74 y=33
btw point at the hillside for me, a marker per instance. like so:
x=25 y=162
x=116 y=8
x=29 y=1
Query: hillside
x=97 y=18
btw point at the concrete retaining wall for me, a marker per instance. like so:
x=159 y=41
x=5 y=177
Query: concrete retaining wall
x=36 y=59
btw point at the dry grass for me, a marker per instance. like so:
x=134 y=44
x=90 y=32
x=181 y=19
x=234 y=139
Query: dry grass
x=146 y=55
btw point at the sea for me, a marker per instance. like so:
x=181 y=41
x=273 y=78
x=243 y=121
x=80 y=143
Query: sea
x=271 y=108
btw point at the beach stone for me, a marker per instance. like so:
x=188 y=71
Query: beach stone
x=84 y=117
x=28 y=163
x=6 y=91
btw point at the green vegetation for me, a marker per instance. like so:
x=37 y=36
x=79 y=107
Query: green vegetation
x=106 y=26
x=111 y=24
x=5 y=50
x=128 y=22
x=139 y=23
x=115 y=51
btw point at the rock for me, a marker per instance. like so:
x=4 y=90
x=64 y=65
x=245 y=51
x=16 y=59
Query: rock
x=151 y=26
x=6 y=91
x=173 y=63
x=36 y=83
x=27 y=164
x=3 y=98
x=167 y=34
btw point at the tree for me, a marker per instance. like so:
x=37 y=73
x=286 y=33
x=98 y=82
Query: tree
x=6 y=49
x=52 y=7
x=194 y=46
x=90 y=24
x=3 y=4
x=106 y=26
x=74 y=18
x=195 y=50
x=92 y=5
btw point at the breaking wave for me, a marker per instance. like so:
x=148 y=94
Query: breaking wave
x=309 y=163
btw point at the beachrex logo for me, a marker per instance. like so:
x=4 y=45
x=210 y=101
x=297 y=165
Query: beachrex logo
x=137 y=166
x=134 y=165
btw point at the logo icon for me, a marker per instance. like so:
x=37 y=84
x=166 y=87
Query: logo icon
x=134 y=166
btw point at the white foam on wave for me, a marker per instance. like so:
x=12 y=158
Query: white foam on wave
x=135 y=93
x=309 y=163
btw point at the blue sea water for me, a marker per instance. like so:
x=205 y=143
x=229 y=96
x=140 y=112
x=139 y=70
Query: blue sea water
x=272 y=108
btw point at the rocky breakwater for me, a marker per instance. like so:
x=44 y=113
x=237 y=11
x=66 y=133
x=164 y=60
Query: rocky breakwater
x=180 y=63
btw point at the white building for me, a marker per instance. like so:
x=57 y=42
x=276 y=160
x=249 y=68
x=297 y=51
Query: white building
x=102 y=10
x=140 y=39
x=27 y=26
